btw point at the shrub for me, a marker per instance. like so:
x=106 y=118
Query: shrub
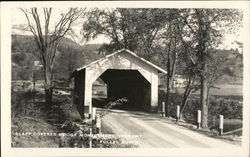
x=229 y=106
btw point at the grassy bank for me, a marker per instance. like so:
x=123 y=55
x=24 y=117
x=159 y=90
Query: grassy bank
x=32 y=121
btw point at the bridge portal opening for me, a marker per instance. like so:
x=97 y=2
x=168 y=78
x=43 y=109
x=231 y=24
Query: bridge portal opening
x=128 y=84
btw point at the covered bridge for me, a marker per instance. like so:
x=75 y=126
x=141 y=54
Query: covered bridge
x=126 y=75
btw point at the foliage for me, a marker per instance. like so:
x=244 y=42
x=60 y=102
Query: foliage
x=115 y=103
x=134 y=29
x=230 y=107
x=111 y=104
x=206 y=28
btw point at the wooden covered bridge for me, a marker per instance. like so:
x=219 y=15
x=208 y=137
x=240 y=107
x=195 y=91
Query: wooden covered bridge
x=126 y=75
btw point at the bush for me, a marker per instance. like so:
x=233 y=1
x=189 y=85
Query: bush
x=229 y=106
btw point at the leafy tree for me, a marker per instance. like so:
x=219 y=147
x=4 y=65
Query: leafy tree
x=187 y=68
x=133 y=29
x=170 y=37
x=206 y=28
x=47 y=40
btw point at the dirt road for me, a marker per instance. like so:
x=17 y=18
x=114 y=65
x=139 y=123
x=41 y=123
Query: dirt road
x=157 y=132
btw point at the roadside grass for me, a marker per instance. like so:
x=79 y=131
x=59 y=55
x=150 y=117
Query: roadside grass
x=213 y=130
x=30 y=114
x=32 y=125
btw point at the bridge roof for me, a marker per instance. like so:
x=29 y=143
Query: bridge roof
x=160 y=70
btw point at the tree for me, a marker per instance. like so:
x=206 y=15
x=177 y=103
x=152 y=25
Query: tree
x=187 y=68
x=47 y=40
x=206 y=28
x=170 y=37
x=151 y=32
x=133 y=29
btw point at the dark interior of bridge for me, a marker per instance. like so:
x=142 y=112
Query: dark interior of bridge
x=128 y=84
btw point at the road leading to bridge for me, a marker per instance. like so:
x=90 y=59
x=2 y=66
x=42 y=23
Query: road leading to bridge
x=157 y=132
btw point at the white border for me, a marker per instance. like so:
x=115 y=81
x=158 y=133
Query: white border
x=6 y=82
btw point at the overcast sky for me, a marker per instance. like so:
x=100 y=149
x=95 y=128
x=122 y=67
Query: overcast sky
x=17 y=18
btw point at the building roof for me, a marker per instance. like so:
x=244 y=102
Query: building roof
x=127 y=51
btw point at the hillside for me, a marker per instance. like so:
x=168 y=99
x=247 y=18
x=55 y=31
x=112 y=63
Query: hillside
x=231 y=69
x=70 y=56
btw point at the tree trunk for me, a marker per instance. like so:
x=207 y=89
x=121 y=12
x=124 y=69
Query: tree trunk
x=203 y=100
x=183 y=105
x=182 y=109
x=188 y=88
x=48 y=86
x=168 y=75
x=48 y=96
x=185 y=96
x=204 y=87
x=168 y=98
x=203 y=37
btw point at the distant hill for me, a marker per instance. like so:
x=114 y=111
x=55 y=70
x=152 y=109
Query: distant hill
x=70 y=55
x=232 y=68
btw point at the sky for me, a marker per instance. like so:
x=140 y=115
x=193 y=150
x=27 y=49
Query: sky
x=18 y=18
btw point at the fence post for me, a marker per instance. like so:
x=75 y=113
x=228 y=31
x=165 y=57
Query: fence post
x=178 y=113
x=199 y=119
x=221 y=125
x=163 y=109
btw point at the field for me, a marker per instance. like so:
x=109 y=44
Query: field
x=224 y=90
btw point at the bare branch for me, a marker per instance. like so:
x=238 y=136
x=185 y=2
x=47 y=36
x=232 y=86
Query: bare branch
x=47 y=13
x=65 y=23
